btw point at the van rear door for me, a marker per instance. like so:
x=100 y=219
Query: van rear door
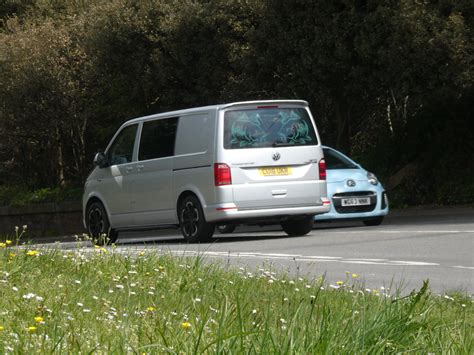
x=273 y=152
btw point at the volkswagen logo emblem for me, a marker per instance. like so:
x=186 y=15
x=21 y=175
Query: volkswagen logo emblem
x=276 y=156
x=351 y=183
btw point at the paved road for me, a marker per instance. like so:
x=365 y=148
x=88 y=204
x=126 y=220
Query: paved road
x=409 y=247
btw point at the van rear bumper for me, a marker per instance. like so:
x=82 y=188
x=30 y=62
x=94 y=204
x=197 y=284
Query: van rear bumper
x=230 y=213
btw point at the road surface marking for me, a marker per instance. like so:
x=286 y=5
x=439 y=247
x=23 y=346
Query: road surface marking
x=298 y=257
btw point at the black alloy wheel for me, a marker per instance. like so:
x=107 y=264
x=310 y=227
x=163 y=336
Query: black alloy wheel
x=373 y=222
x=226 y=228
x=192 y=222
x=98 y=225
x=298 y=227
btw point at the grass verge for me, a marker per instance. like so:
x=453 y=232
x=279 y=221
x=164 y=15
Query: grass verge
x=101 y=301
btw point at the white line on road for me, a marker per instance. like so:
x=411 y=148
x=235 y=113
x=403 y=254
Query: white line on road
x=364 y=231
x=298 y=257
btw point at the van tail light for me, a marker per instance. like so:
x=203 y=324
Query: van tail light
x=222 y=174
x=322 y=169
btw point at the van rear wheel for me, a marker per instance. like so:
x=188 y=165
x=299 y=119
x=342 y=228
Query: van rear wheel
x=192 y=222
x=373 y=222
x=226 y=228
x=98 y=225
x=298 y=227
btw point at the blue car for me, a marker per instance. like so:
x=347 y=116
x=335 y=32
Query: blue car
x=354 y=192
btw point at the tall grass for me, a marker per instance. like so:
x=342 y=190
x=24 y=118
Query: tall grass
x=98 y=300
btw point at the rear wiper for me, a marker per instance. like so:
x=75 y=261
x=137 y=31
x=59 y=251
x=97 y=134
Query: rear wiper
x=281 y=144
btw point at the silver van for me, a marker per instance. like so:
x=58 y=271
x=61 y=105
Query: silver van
x=255 y=162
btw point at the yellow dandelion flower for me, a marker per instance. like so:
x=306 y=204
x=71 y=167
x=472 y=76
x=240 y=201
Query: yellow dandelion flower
x=185 y=325
x=32 y=329
x=161 y=268
x=151 y=309
x=8 y=242
x=11 y=255
x=39 y=319
x=3 y=245
x=2 y=328
x=340 y=283
x=32 y=252
x=355 y=276
x=141 y=253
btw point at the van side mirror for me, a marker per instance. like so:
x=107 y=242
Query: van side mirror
x=100 y=160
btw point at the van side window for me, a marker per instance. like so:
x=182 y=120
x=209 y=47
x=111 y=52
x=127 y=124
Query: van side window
x=121 y=150
x=158 y=137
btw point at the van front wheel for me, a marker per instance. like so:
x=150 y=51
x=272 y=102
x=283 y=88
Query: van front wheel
x=192 y=222
x=298 y=227
x=98 y=225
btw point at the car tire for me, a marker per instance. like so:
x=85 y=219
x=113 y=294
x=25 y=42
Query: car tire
x=298 y=227
x=98 y=225
x=192 y=221
x=226 y=228
x=373 y=222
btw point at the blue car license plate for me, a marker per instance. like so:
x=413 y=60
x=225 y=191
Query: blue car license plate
x=355 y=201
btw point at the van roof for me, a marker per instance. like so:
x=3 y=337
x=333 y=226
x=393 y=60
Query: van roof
x=219 y=107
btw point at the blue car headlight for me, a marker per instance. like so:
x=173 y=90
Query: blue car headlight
x=372 y=178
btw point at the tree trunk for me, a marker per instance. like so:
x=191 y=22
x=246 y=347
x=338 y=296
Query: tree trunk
x=342 y=126
x=60 y=162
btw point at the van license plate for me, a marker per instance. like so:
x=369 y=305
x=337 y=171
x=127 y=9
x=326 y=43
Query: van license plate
x=355 y=201
x=275 y=171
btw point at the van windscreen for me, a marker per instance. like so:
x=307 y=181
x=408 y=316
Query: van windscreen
x=268 y=127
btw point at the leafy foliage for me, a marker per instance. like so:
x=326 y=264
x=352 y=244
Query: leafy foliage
x=389 y=83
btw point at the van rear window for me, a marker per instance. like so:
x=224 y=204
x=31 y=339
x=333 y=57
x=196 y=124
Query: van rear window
x=268 y=127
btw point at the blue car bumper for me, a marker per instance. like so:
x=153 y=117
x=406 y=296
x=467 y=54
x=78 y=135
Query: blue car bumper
x=337 y=192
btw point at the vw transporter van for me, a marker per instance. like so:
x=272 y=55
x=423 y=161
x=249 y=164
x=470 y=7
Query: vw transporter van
x=255 y=162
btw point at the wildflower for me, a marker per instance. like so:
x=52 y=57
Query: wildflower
x=8 y=242
x=39 y=319
x=185 y=325
x=31 y=329
x=32 y=252
x=28 y=296
x=197 y=300
x=80 y=304
x=77 y=281
x=2 y=328
x=119 y=286
x=86 y=310
x=254 y=311
x=3 y=245
x=151 y=309
x=340 y=283
x=355 y=276
x=270 y=281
